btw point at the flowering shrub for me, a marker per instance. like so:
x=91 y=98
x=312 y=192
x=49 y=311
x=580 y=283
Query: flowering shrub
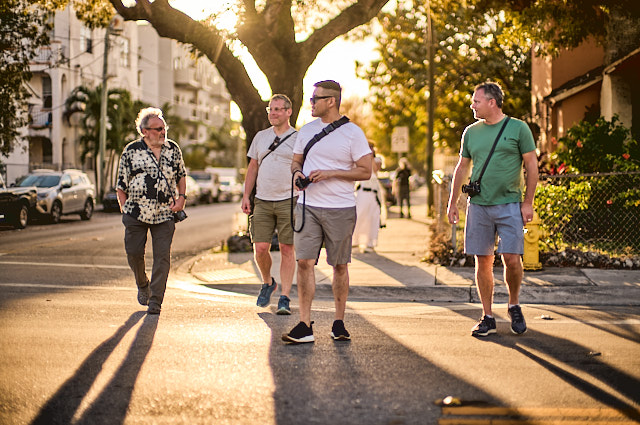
x=598 y=147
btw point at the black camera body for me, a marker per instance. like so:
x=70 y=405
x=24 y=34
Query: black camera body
x=471 y=189
x=179 y=216
x=303 y=182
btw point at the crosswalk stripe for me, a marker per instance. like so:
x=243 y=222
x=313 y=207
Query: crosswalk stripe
x=497 y=415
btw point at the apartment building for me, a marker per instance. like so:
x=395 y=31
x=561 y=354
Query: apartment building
x=153 y=69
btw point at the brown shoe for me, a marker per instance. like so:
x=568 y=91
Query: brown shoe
x=153 y=309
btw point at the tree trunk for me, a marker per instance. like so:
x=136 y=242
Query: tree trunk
x=269 y=36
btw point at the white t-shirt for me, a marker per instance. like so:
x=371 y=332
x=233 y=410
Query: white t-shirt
x=339 y=150
x=274 y=172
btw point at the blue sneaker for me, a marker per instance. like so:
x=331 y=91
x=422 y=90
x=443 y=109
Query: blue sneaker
x=283 y=305
x=265 y=293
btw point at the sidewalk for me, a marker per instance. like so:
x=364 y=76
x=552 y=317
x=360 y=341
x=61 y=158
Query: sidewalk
x=395 y=272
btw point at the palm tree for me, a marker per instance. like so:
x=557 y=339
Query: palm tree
x=121 y=114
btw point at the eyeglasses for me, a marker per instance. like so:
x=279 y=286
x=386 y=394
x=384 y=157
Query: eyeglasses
x=158 y=129
x=314 y=99
x=276 y=109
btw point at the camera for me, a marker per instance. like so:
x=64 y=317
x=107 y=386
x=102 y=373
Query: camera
x=471 y=189
x=179 y=216
x=303 y=182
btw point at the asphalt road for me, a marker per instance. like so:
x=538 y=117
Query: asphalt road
x=76 y=348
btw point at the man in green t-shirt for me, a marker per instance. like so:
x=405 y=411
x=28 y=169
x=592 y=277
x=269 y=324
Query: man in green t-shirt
x=499 y=207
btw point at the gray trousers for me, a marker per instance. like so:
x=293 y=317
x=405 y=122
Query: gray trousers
x=135 y=241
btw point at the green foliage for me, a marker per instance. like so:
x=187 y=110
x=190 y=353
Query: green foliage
x=556 y=25
x=556 y=205
x=22 y=30
x=220 y=150
x=467 y=52
x=601 y=146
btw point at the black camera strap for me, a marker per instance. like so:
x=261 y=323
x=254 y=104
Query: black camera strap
x=153 y=158
x=315 y=139
x=276 y=142
x=493 y=148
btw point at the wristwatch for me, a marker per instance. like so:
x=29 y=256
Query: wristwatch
x=183 y=195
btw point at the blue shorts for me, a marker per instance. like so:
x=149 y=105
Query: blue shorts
x=484 y=222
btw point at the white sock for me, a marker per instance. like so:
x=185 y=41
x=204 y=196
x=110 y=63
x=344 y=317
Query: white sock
x=513 y=305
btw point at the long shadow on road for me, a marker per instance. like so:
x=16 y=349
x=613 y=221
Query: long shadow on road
x=111 y=405
x=560 y=356
x=371 y=380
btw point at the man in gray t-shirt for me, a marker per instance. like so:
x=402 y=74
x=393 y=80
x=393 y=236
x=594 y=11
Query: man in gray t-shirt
x=269 y=172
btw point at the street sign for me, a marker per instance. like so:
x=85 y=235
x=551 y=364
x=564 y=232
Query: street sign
x=400 y=139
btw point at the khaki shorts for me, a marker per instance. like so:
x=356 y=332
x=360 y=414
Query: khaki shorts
x=267 y=217
x=331 y=226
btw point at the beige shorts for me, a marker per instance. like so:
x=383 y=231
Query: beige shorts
x=267 y=217
x=331 y=226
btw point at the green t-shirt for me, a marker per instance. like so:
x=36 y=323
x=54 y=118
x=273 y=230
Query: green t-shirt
x=502 y=182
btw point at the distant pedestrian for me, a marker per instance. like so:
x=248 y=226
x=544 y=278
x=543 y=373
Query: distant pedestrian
x=150 y=170
x=326 y=212
x=402 y=186
x=269 y=171
x=495 y=203
x=370 y=205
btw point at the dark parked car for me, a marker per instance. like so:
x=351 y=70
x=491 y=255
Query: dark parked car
x=16 y=204
x=110 y=201
x=62 y=192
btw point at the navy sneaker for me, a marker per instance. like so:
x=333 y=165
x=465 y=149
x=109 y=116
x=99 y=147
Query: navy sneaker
x=338 y=331
x=283 y=305
x=486 y=326
x=518 y=325
x=265 y=293
x=143 y=295
x=300 y=334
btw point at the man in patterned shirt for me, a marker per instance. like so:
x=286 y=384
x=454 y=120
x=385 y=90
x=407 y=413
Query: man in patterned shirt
x=150 y=170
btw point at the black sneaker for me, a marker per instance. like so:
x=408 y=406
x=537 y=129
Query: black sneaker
x=338 y=332
x=265 y=293
x=518 y=325
x=300 y=334
x=486 y=326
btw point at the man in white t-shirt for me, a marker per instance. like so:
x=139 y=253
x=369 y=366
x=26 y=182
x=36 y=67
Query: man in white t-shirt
x=270 y=154
x=326 y=212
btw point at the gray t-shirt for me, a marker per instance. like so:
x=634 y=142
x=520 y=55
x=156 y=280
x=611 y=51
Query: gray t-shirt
x=274 y=172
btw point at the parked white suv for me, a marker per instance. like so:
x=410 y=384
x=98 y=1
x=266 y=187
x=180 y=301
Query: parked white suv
x=62 y=192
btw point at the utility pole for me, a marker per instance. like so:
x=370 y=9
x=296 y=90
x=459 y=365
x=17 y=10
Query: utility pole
x=430 y=112
x=103 y=106
x=103 y=116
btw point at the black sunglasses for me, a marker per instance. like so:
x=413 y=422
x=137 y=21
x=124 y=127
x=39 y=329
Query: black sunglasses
x=158 y=129
x=314 y=99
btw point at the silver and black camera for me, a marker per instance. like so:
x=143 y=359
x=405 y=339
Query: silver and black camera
x=179 y=216
x=471 y=189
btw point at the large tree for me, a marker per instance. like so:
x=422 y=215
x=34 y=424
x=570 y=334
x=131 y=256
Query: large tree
x=22 y=31
x=283 y=37
x=466 y=52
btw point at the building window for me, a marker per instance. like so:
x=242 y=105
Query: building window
x=124 y=53
x=86 y=42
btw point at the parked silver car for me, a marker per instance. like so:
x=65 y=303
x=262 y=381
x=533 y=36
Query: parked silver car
x=62 y=192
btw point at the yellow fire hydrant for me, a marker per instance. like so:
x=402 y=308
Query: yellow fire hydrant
x=532 y=234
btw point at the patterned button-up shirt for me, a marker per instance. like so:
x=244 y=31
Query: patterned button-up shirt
x=148 y=194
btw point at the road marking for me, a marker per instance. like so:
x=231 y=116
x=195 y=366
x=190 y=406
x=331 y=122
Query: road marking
x=225 y=274
x=481 y=415
x=97 y=266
